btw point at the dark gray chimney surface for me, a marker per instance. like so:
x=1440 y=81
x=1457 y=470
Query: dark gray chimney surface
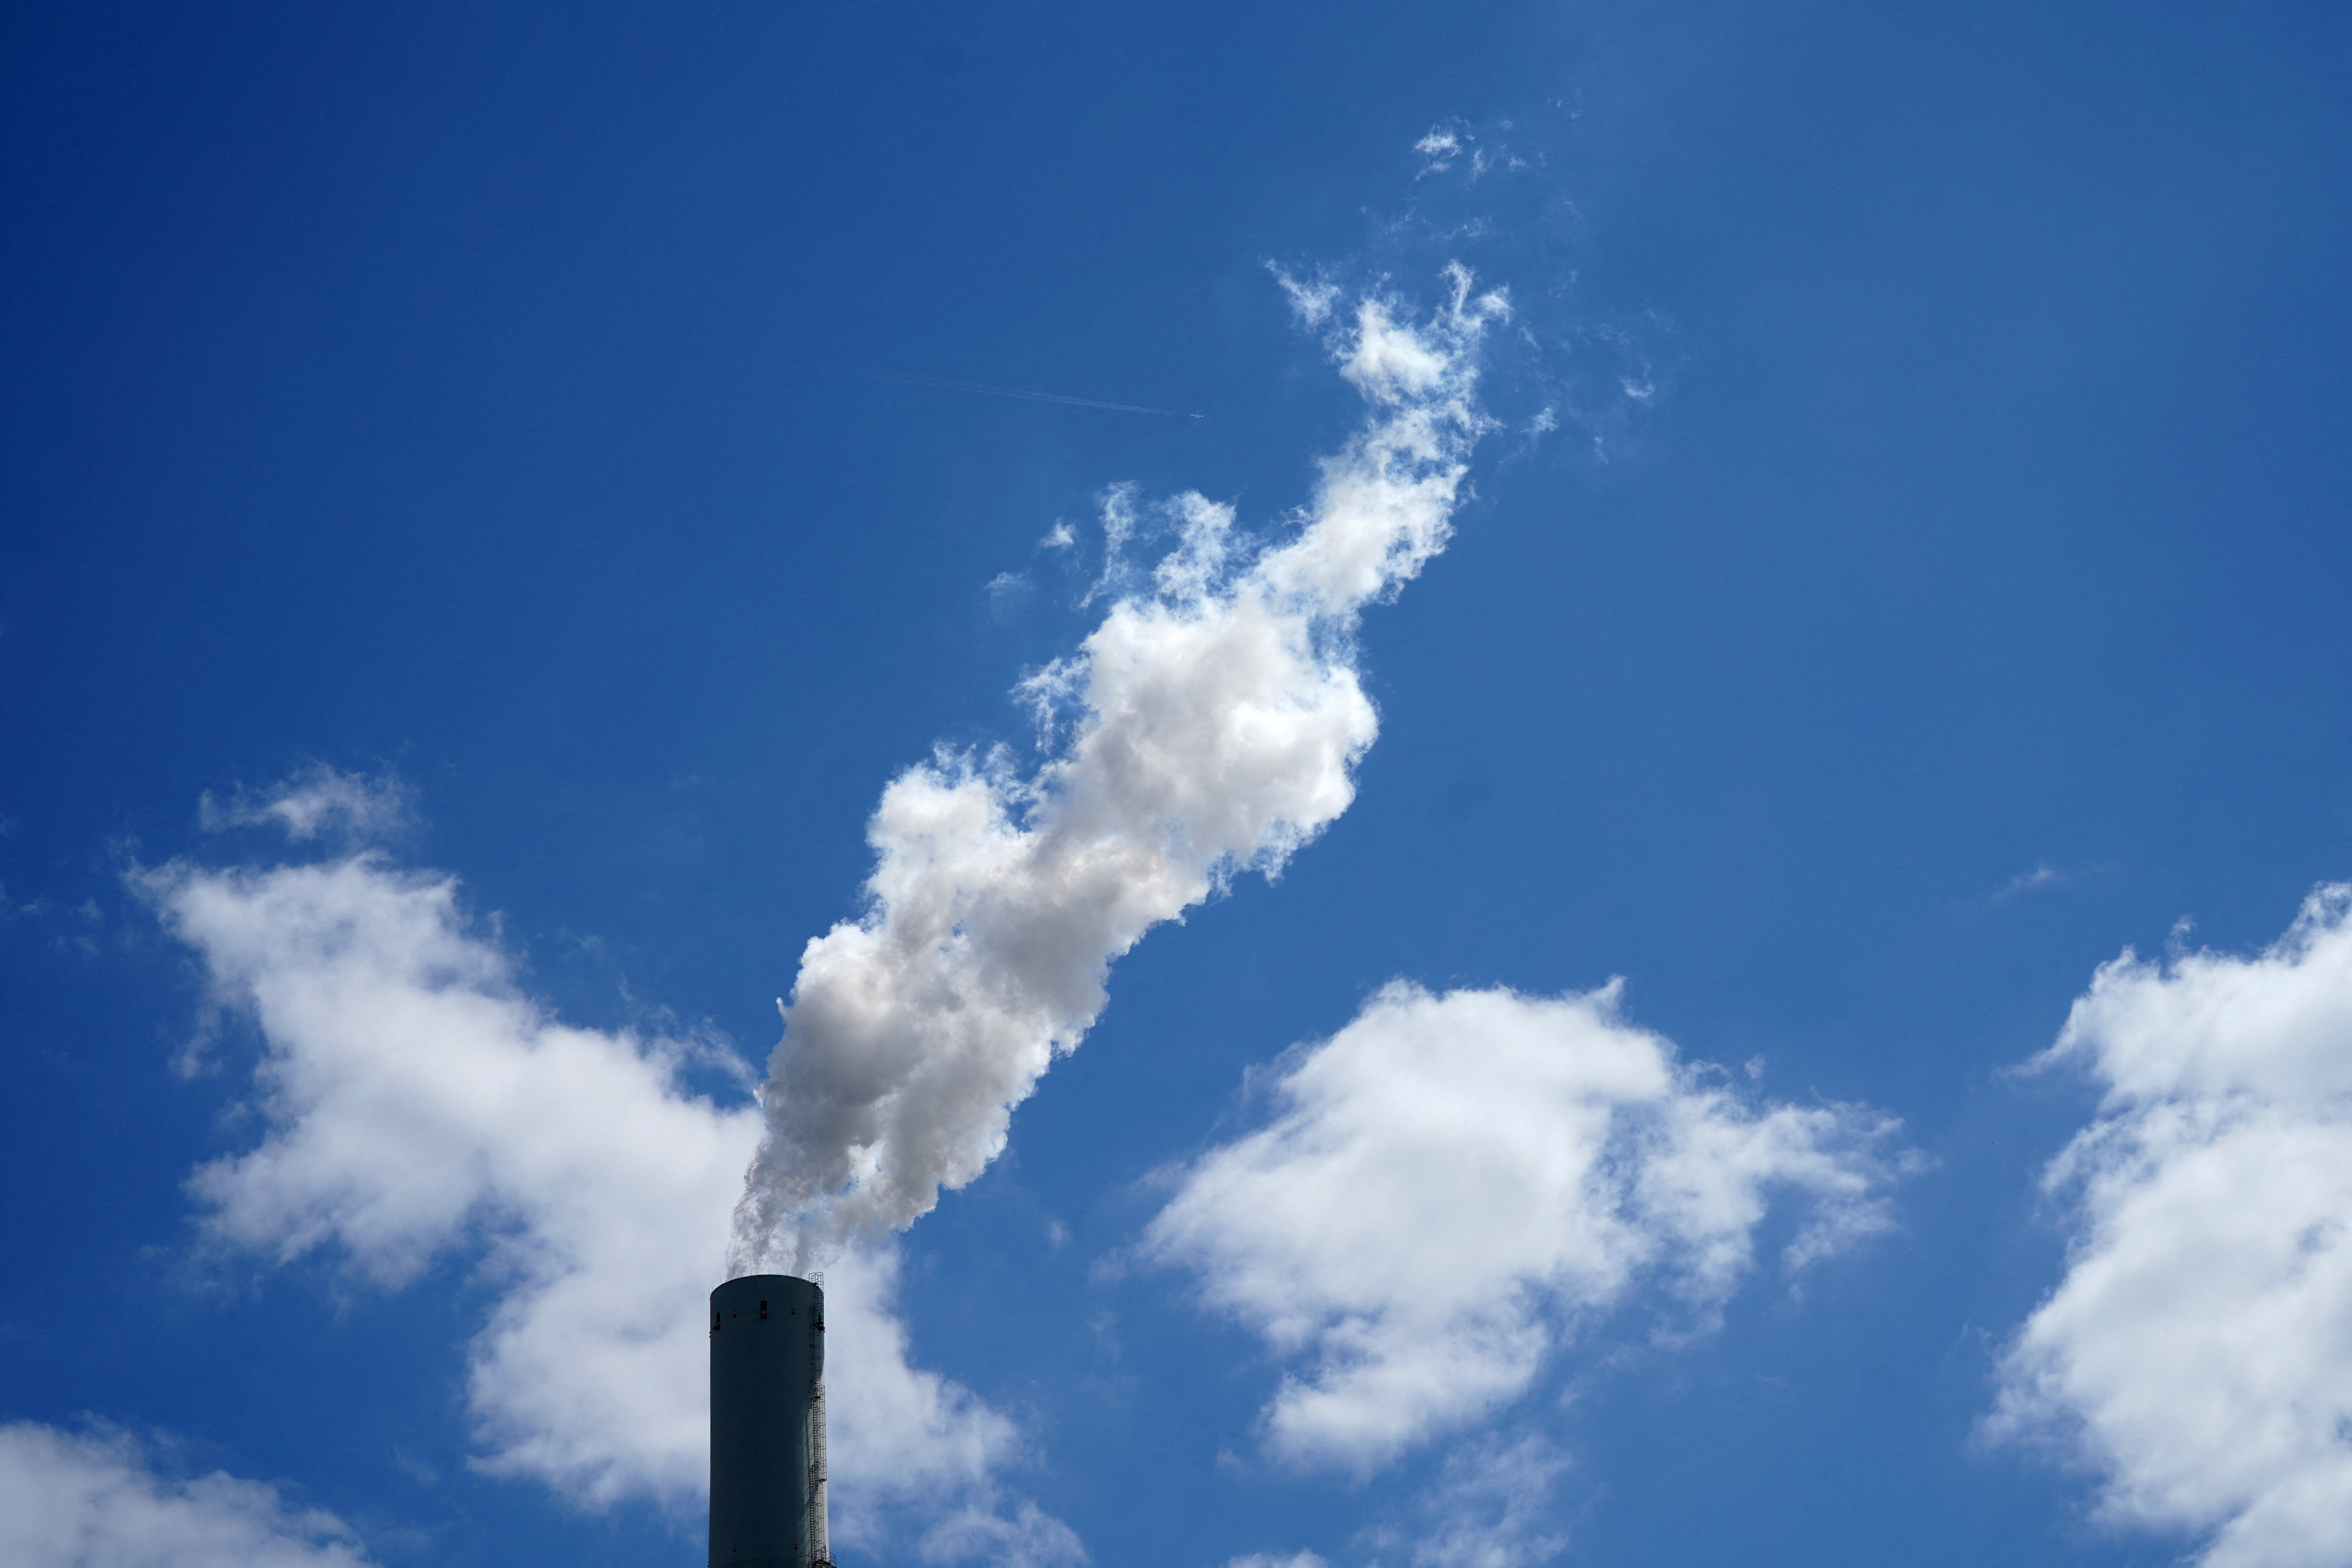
x=767 y=1423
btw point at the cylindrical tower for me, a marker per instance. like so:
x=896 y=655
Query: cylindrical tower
x=767 y=1424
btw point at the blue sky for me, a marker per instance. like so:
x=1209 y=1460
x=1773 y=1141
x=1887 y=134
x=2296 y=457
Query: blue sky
x=1761 y=983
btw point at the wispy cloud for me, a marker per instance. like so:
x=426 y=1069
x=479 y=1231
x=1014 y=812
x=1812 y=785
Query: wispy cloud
x=1311 y=301
x=1008 y=592
x=1274 y=1560
x=320 y=800
x=1440 y=148
x=1491 y=1506
x=2045 y=877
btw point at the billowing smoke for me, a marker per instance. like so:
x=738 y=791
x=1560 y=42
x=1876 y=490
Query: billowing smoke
x=1208 y=726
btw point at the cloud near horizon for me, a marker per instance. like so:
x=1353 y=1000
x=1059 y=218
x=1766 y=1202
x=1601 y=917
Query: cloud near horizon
x=96 y=1500
x=2198 y=1353
x=1455 y=1186
x=416 y=1102
x=1212 y=723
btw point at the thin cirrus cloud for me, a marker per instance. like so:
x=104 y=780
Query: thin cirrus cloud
x=1212 y=723
x=2198 y=1352
x=1455 y=1186
x=316 y=800
x=1489 y=1506
x=415 y=1102
x=97 y=1500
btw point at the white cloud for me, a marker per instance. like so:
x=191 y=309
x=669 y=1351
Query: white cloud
x=2198 y=1352
x=1274 y=1560
x=908 y=1441
x=1215 y=719
x=1026 y=1537
x=2042 y=878
x=316 y=800
x=1456 y=1185
x=415 y=1102
x=1491 y=1506
x=93 y=1501
x=1312 y=304
x=1121 y=517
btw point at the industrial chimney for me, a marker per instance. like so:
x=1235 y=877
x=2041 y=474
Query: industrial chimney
x=767 y=1424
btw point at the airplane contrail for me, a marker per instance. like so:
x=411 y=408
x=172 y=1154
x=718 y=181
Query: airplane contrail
x=946 y=384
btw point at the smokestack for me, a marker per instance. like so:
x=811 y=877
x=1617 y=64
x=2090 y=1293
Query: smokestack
x=767 y=1424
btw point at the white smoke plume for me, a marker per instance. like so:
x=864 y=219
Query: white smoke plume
x=1213 y=720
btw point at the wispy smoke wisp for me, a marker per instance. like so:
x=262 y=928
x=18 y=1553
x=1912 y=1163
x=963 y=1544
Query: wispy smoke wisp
x=1209 y=726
